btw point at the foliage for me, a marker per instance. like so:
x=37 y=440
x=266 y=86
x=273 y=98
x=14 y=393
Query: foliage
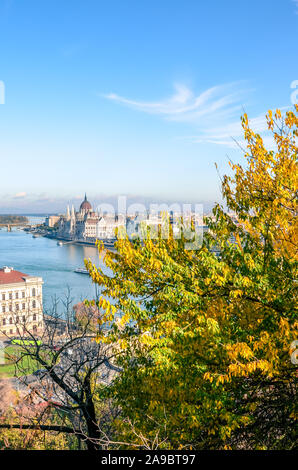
x=13 y=219
x=204 y=340
x=11 y=357
x=67 y=392
x=18 y=409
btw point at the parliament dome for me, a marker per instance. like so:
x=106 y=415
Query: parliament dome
x=85 y=206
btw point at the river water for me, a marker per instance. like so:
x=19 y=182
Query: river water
x=55 y=264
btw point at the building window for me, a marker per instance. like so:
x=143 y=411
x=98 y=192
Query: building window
x=34 y=317
x=23 y=295
x=3 y=296
x=17 y=307
x=23 y=306
x=3 y=309
x=17 y=295
x=4 y=321
x=33 y=292
x=10 y=321
x=10 y=295
x=17 y=319
x=24 y=318
x=10 y=308
x=33 y=304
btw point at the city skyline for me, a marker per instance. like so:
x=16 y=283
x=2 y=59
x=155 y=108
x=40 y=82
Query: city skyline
x=114 y=204
x=135 y=99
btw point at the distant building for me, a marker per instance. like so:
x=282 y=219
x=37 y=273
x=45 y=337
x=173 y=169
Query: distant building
x=20 y=303
x=87 y=224
x=52 y=220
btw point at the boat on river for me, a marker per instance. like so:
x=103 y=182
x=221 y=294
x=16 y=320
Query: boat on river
x=81 y=271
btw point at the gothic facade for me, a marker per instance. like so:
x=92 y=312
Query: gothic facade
x=87 y=224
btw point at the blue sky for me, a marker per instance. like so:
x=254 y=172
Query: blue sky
x=134 y=97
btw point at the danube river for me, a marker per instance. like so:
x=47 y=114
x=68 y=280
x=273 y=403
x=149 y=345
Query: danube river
x=55 y=264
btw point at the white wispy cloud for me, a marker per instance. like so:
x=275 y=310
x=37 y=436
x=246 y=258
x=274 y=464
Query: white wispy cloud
x=185 y=106
x=214 y=113
x=231 y=134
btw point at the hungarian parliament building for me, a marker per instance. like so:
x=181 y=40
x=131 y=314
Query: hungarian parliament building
x=86 y=224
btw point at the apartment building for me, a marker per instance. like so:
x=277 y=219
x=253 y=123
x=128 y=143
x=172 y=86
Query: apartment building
x=20 y=303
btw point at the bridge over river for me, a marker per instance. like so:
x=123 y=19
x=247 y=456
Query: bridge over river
x=16 y=224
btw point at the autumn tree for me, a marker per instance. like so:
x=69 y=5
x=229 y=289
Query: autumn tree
x=64 y=400
x=206 y=334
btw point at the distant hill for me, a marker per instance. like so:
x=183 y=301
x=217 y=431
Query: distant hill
x=13 y=219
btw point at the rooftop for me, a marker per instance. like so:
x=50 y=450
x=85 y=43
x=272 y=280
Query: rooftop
x=10 y=276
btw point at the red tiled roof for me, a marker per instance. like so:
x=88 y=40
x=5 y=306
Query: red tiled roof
x=12 y=277
x=91 y=221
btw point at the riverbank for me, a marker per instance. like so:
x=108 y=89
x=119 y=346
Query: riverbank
x=107 y=243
